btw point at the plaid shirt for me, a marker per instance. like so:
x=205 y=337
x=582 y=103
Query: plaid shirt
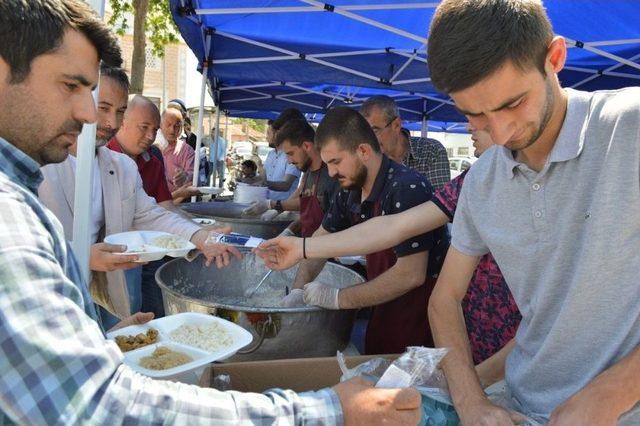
x=56 y=367
x=429 y=157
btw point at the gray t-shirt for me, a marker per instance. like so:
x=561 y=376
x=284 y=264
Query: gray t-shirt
x=320 y=184
x=567 y=241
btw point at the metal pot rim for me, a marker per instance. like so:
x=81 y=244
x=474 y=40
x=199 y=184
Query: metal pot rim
x=243 y=308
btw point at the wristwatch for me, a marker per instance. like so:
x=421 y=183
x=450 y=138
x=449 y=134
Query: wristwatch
x=278 y=206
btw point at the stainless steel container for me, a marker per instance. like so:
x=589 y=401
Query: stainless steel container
x=230 y=213
x=278 y=332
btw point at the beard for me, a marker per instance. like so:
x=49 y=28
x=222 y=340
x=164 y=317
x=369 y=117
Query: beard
x=545 y=116
x=355 y=182
x=107 y=135
x=305 y=166
x=56 y=150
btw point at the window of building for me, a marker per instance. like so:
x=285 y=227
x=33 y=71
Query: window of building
x=463 y=151
x=151 y=61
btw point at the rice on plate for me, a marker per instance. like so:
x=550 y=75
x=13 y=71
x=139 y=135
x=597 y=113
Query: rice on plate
x=209 y=337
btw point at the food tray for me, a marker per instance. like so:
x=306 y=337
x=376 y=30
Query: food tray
x=210 y=190
x=239 y=336
x=136 y=239
x=204 y=221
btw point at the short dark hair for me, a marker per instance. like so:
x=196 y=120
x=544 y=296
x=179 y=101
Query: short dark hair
x=32 y=28
x=117 y=74
x=250 y=164
x=286 y=115
x=469 y=40
x=296 y=132
x=348 y=127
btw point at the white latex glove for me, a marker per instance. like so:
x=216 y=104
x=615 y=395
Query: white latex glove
x=257 y=208
x=287 y=233
x=319 y=294
x=269 y=215
x=293 y=299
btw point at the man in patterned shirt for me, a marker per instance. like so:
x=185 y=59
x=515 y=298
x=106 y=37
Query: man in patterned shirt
x=401 y=278
x=56 y=367
x=426 y=156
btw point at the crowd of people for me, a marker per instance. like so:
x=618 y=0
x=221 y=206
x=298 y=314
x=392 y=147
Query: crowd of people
x=540 y=313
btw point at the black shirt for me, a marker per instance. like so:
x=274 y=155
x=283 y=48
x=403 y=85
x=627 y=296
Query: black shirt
x=396 y=189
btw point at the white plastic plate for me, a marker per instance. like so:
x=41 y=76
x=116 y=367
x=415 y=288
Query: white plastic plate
x=239 y=336
x=212 y=190
x=134 y=240
x=204 y=221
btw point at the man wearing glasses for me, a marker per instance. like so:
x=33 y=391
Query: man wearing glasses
x=427 y=156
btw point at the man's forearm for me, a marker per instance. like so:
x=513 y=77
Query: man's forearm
x=408 y=273
x=619 y=384
x=280 y=186
x=308 y=271
x=291 y=204
x=378 y=233
x=491 y=370
x=449 y=331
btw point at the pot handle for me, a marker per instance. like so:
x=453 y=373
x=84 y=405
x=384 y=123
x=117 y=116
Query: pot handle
x=263 y=327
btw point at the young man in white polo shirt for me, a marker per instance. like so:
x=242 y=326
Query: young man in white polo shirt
x=557 y=204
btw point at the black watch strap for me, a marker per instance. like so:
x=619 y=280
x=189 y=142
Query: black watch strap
x=279 y=206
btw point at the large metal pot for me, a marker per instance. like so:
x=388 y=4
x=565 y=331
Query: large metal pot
x=230 y=213
x=278 y=332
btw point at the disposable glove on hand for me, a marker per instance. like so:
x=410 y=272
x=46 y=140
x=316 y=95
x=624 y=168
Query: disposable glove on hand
x=293 y=299
x=269 y=215
x=257 y=208
x=319 y=294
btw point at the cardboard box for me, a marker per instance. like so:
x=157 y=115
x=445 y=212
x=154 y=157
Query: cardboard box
x=300 y=375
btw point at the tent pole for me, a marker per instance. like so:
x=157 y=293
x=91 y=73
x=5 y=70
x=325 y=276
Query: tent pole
x=86 y=152
x=214 y=154
x=199 y=132
x=373 y=23
x=306 y=9
x=424 y=130
x=295 y=55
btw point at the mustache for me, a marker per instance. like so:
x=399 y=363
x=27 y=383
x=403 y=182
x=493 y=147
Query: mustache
x=70 y=126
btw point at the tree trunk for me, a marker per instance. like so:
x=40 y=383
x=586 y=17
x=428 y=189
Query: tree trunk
x=138 y=61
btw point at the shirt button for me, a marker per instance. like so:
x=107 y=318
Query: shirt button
x=535 y=186
x=538 y=214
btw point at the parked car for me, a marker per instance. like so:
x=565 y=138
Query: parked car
x=243 y=149
x=263 y=150
x=460 y=164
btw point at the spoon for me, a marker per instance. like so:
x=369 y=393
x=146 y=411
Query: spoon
x=251 y=291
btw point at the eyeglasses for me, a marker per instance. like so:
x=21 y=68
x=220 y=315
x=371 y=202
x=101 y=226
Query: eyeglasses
x=377 y=129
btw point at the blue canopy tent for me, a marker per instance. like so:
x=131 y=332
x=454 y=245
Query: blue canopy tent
x=267 y=55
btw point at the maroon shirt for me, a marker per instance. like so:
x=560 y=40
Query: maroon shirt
x=490 y=313
x=151 y=171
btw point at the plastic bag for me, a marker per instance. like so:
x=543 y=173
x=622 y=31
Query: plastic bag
x=371 y=370
x=221 y=382
x=418 y=366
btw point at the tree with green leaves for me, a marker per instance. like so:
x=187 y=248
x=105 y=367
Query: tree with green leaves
x=152 y=21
